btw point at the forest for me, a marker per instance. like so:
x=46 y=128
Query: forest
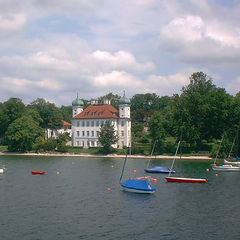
x=199 y=116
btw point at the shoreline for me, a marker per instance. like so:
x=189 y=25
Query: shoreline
x=103 y=156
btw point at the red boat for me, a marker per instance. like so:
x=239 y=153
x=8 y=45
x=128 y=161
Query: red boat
x=188 y=180
x=38 y=172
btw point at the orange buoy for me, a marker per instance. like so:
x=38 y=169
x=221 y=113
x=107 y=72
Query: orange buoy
x=109 y=189
x=217 y=175
x=134 y=171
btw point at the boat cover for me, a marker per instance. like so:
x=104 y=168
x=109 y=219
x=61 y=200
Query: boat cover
x=138 y=184
x=159 y=169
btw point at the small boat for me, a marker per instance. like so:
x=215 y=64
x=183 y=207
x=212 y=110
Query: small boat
x=187 y=180
x=237 y=164
x=1 y=170
x=136 y=185
x=181 y=179
x=38 y=172
x=159 y=169
x=225 y=167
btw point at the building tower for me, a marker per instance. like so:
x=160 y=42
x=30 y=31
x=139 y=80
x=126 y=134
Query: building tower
x=124 y=122
x=77 y=106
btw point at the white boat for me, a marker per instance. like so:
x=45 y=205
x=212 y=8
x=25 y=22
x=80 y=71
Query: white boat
x=236 y=164
x=1 y=170
x=225 y=167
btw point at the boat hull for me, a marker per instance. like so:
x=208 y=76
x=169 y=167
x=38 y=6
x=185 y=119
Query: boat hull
x=38 y=172
x=187 y=180
x=137 y=190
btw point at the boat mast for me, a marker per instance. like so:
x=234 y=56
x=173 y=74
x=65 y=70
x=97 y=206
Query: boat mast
x=174 y=159
x=218 y=149
x=152 y=153
x=124 y=165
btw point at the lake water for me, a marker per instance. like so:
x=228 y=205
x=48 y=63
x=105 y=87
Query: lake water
x=77 y=203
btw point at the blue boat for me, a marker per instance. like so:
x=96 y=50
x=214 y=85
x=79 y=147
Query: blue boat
x=159 y=169
x=136 y=185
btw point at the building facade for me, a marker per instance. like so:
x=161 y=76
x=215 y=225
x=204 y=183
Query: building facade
x=86 y=123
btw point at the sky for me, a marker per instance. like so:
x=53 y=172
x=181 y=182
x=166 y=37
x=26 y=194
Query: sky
x=54 y=49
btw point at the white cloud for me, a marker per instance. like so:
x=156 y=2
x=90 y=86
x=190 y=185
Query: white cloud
x=192 y=39
x=12 y=22
x=121 y=60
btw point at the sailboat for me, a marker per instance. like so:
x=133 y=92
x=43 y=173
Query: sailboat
x=225 y=167
x=157 y=169
x=181 y=179
x=237 y=162
x=136 y=185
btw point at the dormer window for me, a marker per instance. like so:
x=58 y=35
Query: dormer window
x=86 y=113
x=93 y=113
x=101 y=113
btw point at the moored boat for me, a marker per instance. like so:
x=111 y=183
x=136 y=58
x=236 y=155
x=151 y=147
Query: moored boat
x=227 y=168
x=38 y=172
x=138 y=186
x=237 y=164
x=187 y=180
x=159 y=169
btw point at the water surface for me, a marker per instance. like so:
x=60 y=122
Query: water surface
x=77 y=203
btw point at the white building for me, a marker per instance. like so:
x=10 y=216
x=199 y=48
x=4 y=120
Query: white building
x=86 y=123
x=55 y=133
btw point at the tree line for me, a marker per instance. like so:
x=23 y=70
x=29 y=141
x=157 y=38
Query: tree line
x=198 y=116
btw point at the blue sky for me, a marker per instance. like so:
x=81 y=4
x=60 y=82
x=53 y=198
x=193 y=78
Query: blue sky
x=55 y=48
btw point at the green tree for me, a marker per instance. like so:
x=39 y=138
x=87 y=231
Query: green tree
x=50 y=114
x=10 y=111
x=157 y=130
x=107 y=136
x=201 y=112
x=66 y=112
x=22 y=133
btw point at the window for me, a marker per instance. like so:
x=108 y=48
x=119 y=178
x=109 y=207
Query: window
x=78 y=143
x=83 y=124
x=92 y=133
x=86 y=113
x=87 y=133
x=101 y=113
x=97 y=133
x=87 y=123
x=83 y=143
x=93 y=143
x=122 y=143
x=122 y=133
x=92 y=123
x=93 y=113
x=78 y=133
x=97 y=123
x=83 y=133
x=122 y=123
x=77 y=123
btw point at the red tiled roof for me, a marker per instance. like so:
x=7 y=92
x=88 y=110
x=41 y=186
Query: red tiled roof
x=66 y=123
x=98 y=111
